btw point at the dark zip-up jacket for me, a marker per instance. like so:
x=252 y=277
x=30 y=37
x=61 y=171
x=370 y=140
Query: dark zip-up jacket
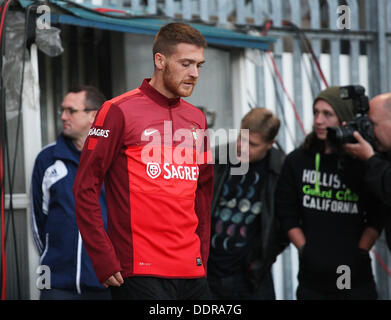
x=272 y=241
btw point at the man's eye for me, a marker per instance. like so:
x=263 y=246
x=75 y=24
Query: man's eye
x=185 y=65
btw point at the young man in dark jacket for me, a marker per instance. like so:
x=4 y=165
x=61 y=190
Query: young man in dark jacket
x=244 y=239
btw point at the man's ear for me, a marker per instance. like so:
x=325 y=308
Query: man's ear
x=270 y=145
x=160 y=61
x=91 y=116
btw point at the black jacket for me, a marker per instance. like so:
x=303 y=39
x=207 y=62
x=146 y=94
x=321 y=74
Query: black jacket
x=272 y=240
x=378 y=179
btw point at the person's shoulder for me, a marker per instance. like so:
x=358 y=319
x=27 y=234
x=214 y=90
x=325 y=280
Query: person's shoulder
x=296 y=155
x=118 y=106
x=125 y=98
x=45 y=156
x=47 y=150
x=276 y=159
x=277 y=153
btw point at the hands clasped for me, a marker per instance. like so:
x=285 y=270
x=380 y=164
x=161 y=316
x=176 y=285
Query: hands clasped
x=115 y=280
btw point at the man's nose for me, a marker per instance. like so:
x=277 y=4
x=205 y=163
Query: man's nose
x=318 y=118
x=194 y=72
x=64 y=115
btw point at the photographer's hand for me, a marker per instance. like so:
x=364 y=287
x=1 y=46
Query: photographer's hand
x=361 y=150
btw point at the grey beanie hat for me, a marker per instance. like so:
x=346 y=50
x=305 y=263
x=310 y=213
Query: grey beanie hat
x=343 y=108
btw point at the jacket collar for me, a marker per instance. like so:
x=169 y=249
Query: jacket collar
x=275 y=158
x=65 y=149
x=156 y=96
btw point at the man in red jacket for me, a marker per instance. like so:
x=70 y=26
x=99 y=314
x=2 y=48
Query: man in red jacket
x=149 y=147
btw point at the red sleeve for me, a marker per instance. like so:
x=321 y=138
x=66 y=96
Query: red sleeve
x=104 y=142
x=203 y=200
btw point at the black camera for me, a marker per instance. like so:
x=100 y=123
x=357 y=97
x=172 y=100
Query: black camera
x=360 y=123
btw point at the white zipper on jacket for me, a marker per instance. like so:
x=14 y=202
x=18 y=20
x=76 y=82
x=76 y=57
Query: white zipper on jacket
x=78 y=270
x=46 y=249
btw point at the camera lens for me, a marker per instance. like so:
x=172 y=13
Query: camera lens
x=340 y=135
x=334 y=134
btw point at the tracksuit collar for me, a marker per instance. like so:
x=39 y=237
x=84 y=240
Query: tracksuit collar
x=65 y=149
x=157 y=96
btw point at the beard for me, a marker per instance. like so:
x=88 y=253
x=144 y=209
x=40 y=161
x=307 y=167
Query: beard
x=177 y=87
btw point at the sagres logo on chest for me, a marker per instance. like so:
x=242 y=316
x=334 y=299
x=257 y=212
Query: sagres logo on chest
x=172 y=171
x=153 y=170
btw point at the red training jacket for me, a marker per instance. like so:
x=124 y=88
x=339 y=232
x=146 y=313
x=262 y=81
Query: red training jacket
x=146 y=149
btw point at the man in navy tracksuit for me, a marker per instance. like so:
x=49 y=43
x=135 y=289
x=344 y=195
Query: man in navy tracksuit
x=55 y=231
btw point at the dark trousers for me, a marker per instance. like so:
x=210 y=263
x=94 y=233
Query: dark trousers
x=151 y=288
x=238 y=287
x=366 y=291
x=60 y=294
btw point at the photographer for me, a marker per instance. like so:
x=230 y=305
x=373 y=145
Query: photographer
x=325 y=210
x=378 y=167
x=377 y=173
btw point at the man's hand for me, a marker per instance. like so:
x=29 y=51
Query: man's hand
x=297 y=237
x=361 y=150
x=115 y=280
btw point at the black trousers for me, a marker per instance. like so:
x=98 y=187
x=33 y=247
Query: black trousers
x=238 y=287
x=365 y=291
x=152 y=288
